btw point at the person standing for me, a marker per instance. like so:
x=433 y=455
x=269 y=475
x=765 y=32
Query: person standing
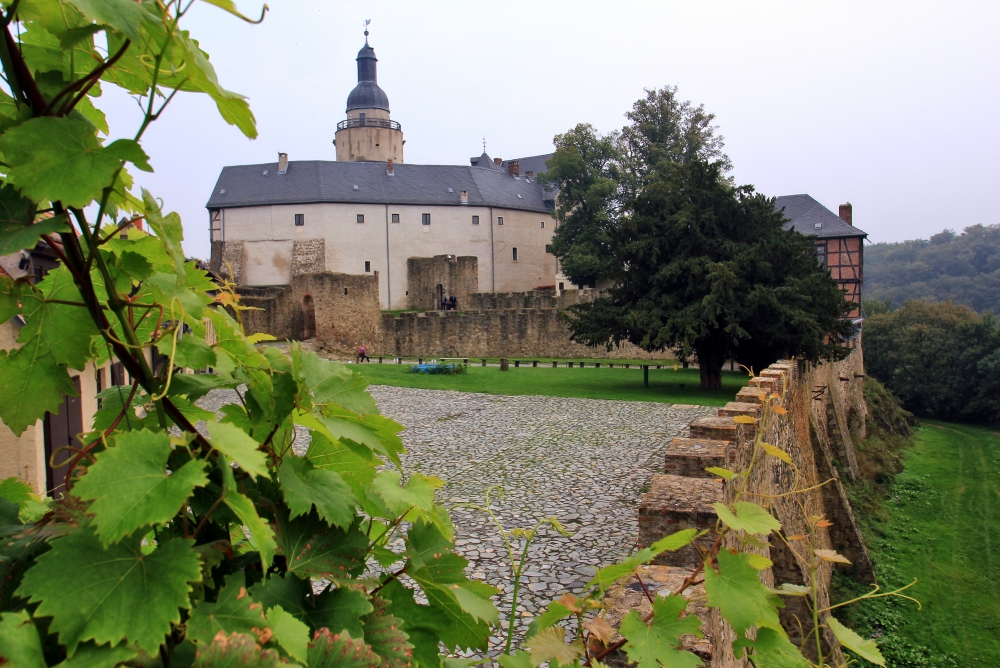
x=363 y=355
x=453 y=303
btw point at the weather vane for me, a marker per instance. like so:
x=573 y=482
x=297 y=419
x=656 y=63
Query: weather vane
x=367 y=21
x=484 y=143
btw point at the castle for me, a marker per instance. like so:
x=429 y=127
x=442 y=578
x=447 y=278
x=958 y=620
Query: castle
x=370 y=213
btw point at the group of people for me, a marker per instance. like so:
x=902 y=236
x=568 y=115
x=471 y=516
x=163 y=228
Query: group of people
x=448 y=303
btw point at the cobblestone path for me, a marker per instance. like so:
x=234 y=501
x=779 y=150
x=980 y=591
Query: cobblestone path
x=583 y=461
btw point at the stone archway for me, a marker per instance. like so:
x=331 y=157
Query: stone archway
x=308 y=318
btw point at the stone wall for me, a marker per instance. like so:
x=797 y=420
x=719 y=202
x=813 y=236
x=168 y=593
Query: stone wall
x=308 y=256
x=428 y=278
x=537 y=332
x=820 y=445
x=487 y=301
x=344 y=310
x=227 y=255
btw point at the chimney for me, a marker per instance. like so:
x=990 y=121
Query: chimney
x=846 y=213
x=497 y=161
x=464 y=194
x=514 y=168
x=388 y=167
x=282 y=163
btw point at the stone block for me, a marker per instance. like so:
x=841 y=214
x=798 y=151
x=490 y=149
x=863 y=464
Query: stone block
x=734 y=408
x=752 y=395
x=691 y=456
x=713 y=428
x=769 y=383
x=773 y=373
x=674 y=503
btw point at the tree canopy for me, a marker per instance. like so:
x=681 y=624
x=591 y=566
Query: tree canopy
x=962 y=268
x=707 y=268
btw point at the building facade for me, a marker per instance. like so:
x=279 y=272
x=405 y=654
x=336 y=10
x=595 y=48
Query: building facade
x=369 y=213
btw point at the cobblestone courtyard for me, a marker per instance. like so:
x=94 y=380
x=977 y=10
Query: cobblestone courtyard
x=583 y=461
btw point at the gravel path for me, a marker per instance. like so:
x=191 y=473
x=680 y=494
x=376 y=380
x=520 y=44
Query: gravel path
x=583 y=461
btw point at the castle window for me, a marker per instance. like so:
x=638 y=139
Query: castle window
x=541 y=224
x=425 y=218
x=368 y=266
x=300 y=219
x=345 y=291
x=548 y=248
x=361 y=217
x=395 y=217
x=499 y=220
x=515 y=254
x=821 y=254
x=475 y=220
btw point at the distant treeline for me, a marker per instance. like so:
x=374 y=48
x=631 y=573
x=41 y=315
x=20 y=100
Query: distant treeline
x=961 y=268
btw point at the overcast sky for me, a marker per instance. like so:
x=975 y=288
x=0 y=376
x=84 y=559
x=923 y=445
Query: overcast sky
x=889 y=105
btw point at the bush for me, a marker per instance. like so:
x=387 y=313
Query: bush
x=941 y=360
x=439 y=369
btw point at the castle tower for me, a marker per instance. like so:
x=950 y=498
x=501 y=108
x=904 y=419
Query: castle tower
x=368 y=134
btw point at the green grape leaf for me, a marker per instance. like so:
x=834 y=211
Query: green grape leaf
x=20 y=646
x=230 y=6
x=192 y=351
x=61 y=159
x=356 y=468
x=237 y=446
x=125 y=16
x=201 y=76
x=119 y=593
x=239 y=650
x=332 y=381
x=384 y=633
x=421 y=623
x=89 y=655
x=130 y=488
x=375 y=431
x=17 y=230
x=658 y=643
x=328 y=650
x=866 y=649
x=771 y=649
x=291 y=634
x=63 y=329
x=30 y=506
x=439 y=572
x=313 y=548
x=231 y=341
x=516 y=660
x=305 y=487
x=235 y=611
x=550 y=645
x=168 y=287
x=168 y=230
x=737 y=592
x=607 y=576
x=10 y=297
x=195 y=386
x=244 y=509
x=34 y=384
x=418 y=492
x=337 y=609
x=748 y=517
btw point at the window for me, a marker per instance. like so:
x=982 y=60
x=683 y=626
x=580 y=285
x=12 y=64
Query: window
x=475 y=220
x=425 y=218
x=368 y=266
x=515 y=253
x=499 y=220
x=821 y=254
x=541 y=224
x=548 y=249
x=361 y=217
x=395 y=217
x=562 y=286
x=345 y=291
x=300 y=219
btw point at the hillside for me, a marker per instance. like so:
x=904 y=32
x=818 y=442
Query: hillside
x=963 y=268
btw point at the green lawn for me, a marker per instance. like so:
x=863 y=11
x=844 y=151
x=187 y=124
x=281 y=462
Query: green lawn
x=665 y=385
x=945 y=530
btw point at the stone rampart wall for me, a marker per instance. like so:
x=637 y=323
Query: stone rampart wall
x=820 y=446
x=345 y=310
x=538 y=332
x=489 y=301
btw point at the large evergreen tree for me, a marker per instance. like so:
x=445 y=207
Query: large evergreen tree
x=707 y=268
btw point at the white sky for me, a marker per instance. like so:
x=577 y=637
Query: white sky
x=889 y=105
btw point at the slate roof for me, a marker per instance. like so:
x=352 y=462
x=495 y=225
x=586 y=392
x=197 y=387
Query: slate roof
x=310 y=181
x=805 y=213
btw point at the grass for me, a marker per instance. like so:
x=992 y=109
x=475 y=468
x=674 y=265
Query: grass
x=945 y=530
x=587 y=383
